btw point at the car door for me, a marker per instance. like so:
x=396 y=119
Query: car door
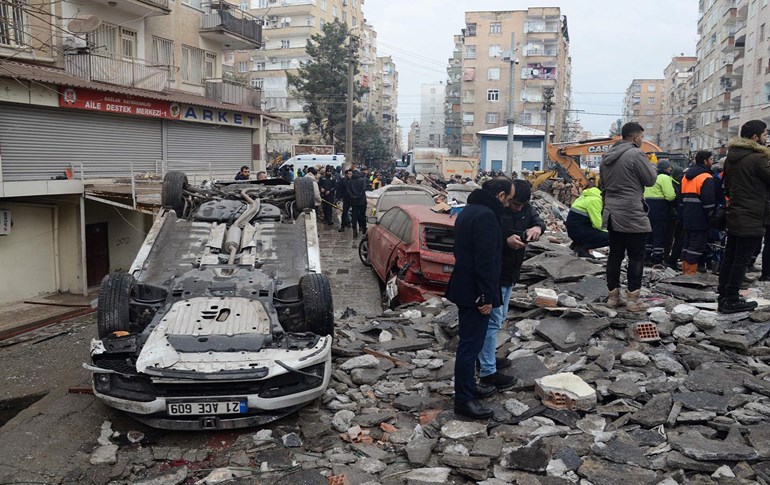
x=378 y=255
x=398 y=236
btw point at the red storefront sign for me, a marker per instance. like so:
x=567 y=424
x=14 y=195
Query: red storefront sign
x=117 y=103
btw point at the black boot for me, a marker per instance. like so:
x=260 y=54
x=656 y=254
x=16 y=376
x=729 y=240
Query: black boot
x=473 y=409
x=735 y=304
x=355 y=232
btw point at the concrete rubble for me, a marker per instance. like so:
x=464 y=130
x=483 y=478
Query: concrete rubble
x=677 y=395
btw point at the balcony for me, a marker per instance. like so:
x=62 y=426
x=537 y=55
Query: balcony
x=542 y=52
x=138 y=7
x=288 y=7
x=135 y=73
x=229 y=26
x=233 y=92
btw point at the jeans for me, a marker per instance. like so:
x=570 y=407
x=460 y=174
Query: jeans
x=487 y=355
x=620 y=244
x=738 y=253
x=473 y=328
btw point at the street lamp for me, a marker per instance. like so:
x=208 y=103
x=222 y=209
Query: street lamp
x=510 y=58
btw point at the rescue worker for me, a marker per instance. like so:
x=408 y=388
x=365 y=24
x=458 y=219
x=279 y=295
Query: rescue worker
x=625 y=171
x=697 y=203
x=746 y=181
x=659 y=198
x=584 y=223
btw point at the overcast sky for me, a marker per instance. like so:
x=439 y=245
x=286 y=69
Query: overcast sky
x=611 y=43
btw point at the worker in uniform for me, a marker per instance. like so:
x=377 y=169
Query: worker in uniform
x=584 y=223
x=659 y=198
x=698 y=195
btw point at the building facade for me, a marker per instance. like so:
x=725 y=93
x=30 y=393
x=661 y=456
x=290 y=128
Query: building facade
x=96 y=91
x=413 y=135
x=644 y=104
x=387 y=102
x=527 y=149
x=432 y=115
x=288 y=25
x=677 y=123
x=453 y=114
x=542 y=49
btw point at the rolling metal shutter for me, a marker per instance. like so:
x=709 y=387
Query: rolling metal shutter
x=192 y=146
x=40 y=143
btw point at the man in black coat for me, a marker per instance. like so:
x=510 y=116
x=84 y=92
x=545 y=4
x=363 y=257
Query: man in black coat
x=341 y=195
x=475 y=287
x=327 y=186
x=746 y=180
x=357 y=193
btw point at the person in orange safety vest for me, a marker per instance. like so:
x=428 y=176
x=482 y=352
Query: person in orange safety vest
x=698 y=200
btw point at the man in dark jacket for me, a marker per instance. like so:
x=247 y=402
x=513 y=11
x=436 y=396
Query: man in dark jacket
x=746 y=180
x=342 y=195
x=327 y=185
x=357 y=192
x=697 y=203
x=521 y=223
x=625 y=172
x=475 y=286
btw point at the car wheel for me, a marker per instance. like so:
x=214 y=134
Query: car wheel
x=363 y=252
x=113 y=311
x=172 y=193
x=316 y=294
x=304 y=194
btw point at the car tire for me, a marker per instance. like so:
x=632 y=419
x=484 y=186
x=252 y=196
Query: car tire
x=172 y=193
x=304 y=194
x=316 y=294
x=363 y=252
x=114 y=296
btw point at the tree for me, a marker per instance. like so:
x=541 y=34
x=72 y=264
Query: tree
x=368 y=144
x=322 y=83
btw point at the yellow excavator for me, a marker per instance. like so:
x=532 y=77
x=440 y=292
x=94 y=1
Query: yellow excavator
x=565 y=159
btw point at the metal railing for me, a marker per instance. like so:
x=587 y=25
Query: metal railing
x=157 y=3
x=233 y=20
x=542 y=52
x=135 y=73
x=233 y=92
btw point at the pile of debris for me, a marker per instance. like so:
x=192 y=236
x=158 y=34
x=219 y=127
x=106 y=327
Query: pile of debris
x=680 y=394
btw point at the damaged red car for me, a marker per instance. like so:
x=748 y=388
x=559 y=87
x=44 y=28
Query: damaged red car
x=411 y=250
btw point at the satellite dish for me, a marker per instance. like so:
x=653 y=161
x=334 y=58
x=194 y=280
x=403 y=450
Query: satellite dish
x=535 y=72
x=84 y=25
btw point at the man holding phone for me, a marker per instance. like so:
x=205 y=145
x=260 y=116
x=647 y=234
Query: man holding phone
x=521 y=225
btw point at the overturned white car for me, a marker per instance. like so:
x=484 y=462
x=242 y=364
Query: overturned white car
x=224 y=319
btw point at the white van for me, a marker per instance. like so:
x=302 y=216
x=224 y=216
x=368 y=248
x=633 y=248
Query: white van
x=302 y=161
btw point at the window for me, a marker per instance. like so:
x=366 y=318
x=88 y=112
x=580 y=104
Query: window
x=113 y=40
x=636 y=88
x=759 y=66
x=648 y=126
x=495 y=50
x=468 y=119
x=243 y=66
x=262 y=4
x=470 y=30
x=762 y=33
x=635 y=112
x=470 y=51
x=322 y=23
x=649 y=112
x=193 y=3
x=387 y=219
x=259 y=66
x=334 y=11
x=285 y=44
x=493 y=95
x=285 y=64
x=323 y=5
x=651 y=100
x=245 y=5
x=13 y=23
x=344 y=16
x=493 y=118
x=495 y=28
x=650 y=88
x=309 y=21
x=493 y=73
x=354 y=21
x=257 y=82
x=531 y=144
x=163 y=55
x=469 y=96
x=433 y=91
x=197 y=65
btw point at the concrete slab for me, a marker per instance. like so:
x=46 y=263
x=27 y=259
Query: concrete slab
x=571 y=334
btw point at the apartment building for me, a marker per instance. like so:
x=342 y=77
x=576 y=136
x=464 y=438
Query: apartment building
x=677 y=123
x=95 y=90
x=750 y=96
x=432 y=116
x=288 y=25
x=387 y=98
x=644 y=104
x=453 y=114
x=413 y=135
x=542 y=48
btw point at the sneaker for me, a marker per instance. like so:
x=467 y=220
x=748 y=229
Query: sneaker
x=735 y=304
x=500 y=381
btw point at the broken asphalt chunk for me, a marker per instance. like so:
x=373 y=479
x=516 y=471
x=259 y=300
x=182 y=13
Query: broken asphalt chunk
x=567 y=335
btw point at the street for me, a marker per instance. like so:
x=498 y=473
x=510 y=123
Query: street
x=51 y=439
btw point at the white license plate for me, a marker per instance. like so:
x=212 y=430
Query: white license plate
x=207 y=408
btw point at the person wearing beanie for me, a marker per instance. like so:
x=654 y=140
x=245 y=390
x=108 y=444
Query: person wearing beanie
x=584 y=223
x=659 y=198
x=521 y=222
x=698 y=199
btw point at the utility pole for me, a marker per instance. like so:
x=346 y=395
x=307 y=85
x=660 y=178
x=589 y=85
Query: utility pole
x=351 y=90
x=511 y=58
x=547 y=107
